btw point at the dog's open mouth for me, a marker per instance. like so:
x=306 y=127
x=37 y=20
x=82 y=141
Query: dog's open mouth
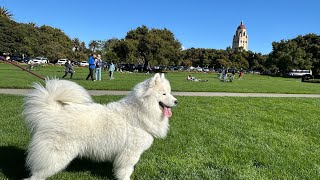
x=166 y=110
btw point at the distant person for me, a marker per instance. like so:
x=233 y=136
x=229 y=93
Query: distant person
x=91 y=61
x=68 y=69
x=105 y=66
x=30 y=64
x=111 y=70
x=225 y=75
x=240 y=74
x=98 y=66
x=191 y=78
x=233 y=75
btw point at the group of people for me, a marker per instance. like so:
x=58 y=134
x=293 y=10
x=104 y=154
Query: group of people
x=191 y=78
x=95 y=66
x=223 y=76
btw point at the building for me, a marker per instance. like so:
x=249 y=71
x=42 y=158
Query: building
x=240 y=39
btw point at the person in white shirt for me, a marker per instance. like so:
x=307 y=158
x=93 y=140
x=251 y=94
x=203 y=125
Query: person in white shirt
x=111 y=70
x=98 y=66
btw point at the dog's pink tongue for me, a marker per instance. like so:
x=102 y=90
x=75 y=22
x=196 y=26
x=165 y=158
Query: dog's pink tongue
x=167 y=112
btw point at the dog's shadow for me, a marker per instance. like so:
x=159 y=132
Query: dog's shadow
x=98 y=169
x=12 y=160
x=12 y=165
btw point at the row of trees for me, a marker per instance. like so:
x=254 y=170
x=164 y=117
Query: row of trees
x=30 y=40
x=302 y=52
x=153 y=47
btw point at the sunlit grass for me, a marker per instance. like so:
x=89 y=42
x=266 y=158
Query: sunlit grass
x=12 y=77
x=209 y=138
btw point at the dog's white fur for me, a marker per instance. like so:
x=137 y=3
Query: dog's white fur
x=65 y=123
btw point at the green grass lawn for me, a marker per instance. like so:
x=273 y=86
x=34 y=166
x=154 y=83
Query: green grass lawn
x=13 y=77
x=209 y=138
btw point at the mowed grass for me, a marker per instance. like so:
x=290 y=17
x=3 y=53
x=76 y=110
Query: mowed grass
x=209 y=138
x=13 y=77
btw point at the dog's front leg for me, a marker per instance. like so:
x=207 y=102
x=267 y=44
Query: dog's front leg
x=137 y=142
x=124 y=163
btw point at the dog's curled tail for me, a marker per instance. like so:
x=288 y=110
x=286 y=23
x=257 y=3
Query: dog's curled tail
x=43 y=101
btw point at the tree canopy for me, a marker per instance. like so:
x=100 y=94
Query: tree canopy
x=4 y=12
x=144 y=45
x=302 y=52
x=30 y=40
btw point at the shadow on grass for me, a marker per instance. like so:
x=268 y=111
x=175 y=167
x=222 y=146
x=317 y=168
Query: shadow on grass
x=102 y=170
x=12 y=165
x=12 y=162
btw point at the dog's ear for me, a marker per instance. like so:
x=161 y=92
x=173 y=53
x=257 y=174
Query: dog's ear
x=154 y=80
x=162 y=76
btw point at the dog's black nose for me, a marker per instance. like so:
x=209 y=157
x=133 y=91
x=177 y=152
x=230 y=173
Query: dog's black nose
x=176 y=102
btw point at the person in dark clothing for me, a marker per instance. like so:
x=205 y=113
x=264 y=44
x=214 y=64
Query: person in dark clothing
x=91 y=61
x=69 y=69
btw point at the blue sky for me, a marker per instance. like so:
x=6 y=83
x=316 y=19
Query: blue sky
x=199 y=24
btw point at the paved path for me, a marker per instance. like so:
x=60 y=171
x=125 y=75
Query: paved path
x=103 y=92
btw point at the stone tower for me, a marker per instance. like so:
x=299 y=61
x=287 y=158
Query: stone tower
x=240 y=39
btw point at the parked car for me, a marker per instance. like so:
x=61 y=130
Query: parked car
x=40 y=60
x=191 y=68
x=76 y=63
x=16 y=58
x=139 y=68
x=310 y=78
x=205 y=69
x=299 y=72
x=27 y=59
x=230 y=70
x=84 y=63
x=126 y=67
x=199 y=69
x=61 y=61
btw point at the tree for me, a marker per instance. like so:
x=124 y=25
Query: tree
x=291 y=54
x=92 y=45
x=32 y=24
x=4 y=12
x=76 y=44
x=157 y=46
x=125 y=51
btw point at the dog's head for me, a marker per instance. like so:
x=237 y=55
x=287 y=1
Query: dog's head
x=155 y=103
x=158 y=90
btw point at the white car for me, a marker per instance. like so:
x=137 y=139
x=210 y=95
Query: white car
x=299 y=72
x=205 y=69
x=199 y=69
x=40 y=60
x=84 y=63
x=62 y=61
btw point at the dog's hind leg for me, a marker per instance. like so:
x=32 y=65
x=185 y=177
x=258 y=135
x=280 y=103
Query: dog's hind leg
x=45 y=160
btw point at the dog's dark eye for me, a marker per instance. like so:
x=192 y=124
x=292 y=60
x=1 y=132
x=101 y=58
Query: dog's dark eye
x=164 y=94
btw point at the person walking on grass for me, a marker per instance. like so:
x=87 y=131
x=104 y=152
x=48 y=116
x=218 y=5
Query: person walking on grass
x=98 y=64
x=68 y=69
x=241 y=74
x=111 y=70
x=91 y=61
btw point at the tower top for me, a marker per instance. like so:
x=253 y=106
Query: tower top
x=241 y=26
x=240 y=38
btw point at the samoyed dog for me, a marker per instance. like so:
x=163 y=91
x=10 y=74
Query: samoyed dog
x=65 y=123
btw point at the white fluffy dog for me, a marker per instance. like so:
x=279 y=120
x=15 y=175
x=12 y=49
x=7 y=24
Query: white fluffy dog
x=65 y=123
